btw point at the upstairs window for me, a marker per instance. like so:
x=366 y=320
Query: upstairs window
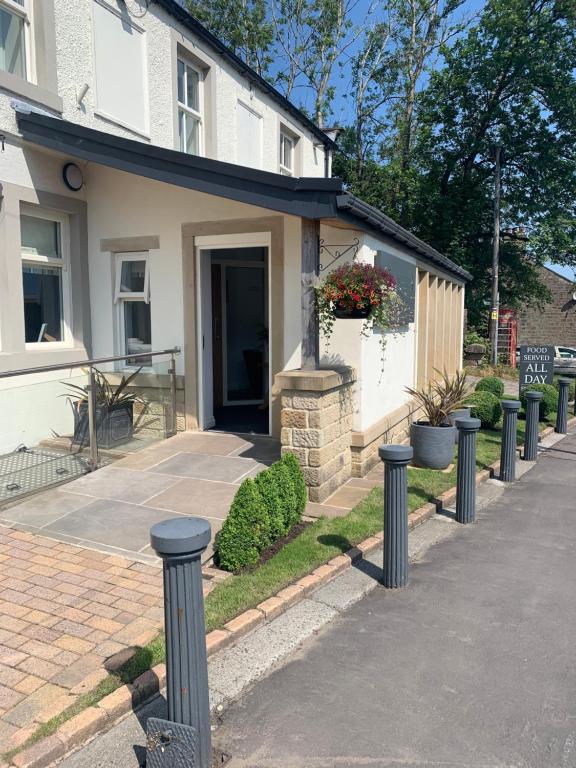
x=13 y=26
x=44 y=276
x=189 y=108
x=287 y=153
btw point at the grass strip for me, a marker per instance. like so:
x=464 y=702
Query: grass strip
x=318 y=543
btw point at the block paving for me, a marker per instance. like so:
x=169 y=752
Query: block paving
x=68 y=617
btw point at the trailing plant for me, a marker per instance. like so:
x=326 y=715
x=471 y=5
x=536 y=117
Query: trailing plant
x=440 y=397
x=491 y=384
x=484 y=405
x=361 y=289
x=106 y=395
x=549 y=402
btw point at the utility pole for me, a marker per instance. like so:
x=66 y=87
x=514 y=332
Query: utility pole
x=495 y=300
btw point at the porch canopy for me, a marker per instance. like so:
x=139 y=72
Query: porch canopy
x=312 y=199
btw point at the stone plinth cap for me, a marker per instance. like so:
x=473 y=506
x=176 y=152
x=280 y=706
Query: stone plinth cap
x=468 y=424
x=320 y=380
x=532 y=395
x=511 y=405
x=180 y=536
x=399 y=453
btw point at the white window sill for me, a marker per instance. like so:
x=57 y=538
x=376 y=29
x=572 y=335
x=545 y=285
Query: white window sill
x=29 y=91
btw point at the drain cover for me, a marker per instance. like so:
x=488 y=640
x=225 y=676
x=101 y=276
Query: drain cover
x=170 y=745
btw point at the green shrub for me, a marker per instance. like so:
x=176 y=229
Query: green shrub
x=491 y=384
x=299 y=484
x=287 y=492
x=486 y=407
x=267 y=485
x=549 y=402
x=246 y=530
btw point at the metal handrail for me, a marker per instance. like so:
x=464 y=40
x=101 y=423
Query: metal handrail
x=93 y=461
x=85 y=363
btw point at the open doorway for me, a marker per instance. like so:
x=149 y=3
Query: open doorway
x=235 y=331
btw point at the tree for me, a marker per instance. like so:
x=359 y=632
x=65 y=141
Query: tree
x=243 y=25
x=509 y=81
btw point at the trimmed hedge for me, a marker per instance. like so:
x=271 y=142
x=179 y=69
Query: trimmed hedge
x=549 y=402
x=246 y=530
x=264 y=509
x=491 y=384
x=485 y=406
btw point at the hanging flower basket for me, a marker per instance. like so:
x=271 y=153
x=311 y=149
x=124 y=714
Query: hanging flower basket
x=358 y=291
x=351 y=313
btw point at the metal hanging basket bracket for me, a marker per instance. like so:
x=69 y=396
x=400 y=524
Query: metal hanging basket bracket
x=334 y=253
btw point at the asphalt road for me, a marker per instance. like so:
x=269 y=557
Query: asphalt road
x=473 y=665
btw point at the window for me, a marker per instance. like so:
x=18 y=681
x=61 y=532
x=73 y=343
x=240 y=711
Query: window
x=44 y=276
x=189 y=108
x=287 y=152
x=249 y=137
x=13 y=24
x=133 y=298
x=120 y=67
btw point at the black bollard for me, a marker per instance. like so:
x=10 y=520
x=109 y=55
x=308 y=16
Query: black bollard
x=562 y=413
x=466 y=470
x=395 y=569
x=532 y=425
x=508 y=448
x=183 y=739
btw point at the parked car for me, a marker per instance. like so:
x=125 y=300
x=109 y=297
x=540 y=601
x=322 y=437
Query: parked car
x=564 y=360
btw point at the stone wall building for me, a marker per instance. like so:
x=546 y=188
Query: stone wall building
x=555 y=323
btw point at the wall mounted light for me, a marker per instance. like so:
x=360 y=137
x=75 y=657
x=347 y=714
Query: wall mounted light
x=72 y=177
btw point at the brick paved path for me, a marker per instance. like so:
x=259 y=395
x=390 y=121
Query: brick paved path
x=68 y=615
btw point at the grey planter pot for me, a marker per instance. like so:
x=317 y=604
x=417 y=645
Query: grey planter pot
x=433 y=446
x=460 y=413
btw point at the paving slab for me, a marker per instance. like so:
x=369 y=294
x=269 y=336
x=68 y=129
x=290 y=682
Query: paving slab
x=120 y=484
x=224 y=469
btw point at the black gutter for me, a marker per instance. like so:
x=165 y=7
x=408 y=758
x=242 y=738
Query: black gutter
x=181 y=14
x=353 y=209
x=309 y=197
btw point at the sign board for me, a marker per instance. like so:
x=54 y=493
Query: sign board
x=536 y=365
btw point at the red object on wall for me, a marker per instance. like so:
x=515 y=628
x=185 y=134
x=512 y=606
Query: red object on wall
x=508 y=334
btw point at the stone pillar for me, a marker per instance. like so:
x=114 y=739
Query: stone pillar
x=532 y=424
x=317 y=409
x=508 y=447
x=562 y=414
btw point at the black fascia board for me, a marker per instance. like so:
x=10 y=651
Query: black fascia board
x=353 y=210
x=313 y=198
x=182 y=15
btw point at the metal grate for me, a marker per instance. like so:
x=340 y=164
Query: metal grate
x=29 y=470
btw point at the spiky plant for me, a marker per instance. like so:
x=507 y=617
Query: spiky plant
x=439 y=398
x=107 y=396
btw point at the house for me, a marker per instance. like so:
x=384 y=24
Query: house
x=555 y=322
x=157 y=193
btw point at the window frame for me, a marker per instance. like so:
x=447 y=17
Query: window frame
x=62 y=263
x=286 y=136
x=121 y=297
x=24 y=12
x=182 y=107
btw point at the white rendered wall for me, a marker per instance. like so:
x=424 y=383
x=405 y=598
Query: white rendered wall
x=379 y=388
